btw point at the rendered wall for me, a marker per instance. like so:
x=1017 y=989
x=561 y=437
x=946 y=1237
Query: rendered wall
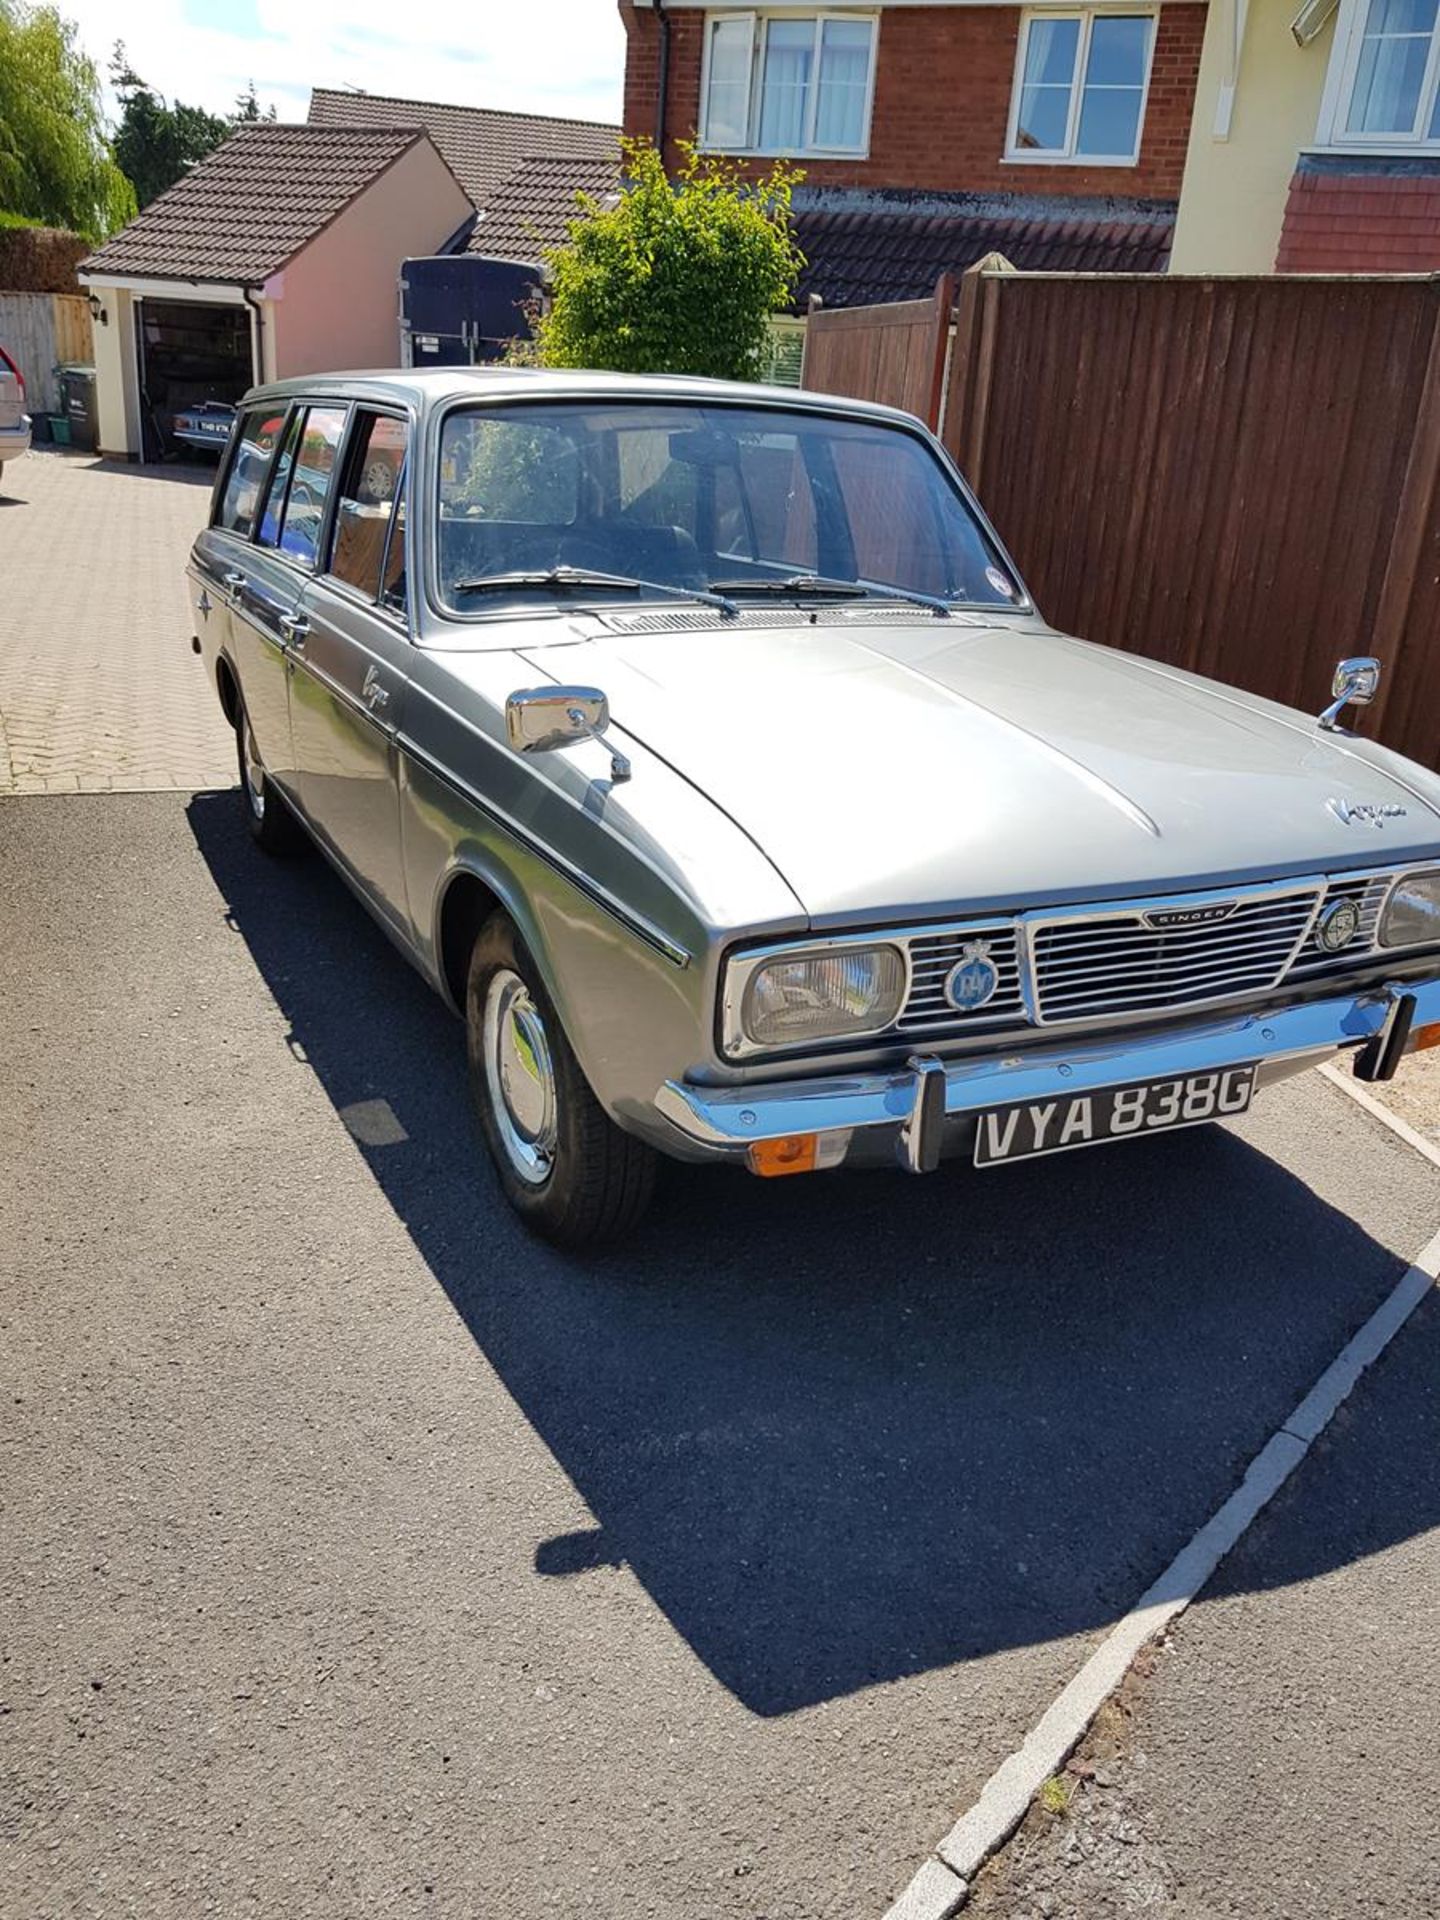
x=337 y=304
x=1232 y=201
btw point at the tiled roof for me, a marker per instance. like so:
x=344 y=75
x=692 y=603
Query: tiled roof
x=250 y=206
x=483 y=147
x=859 y=258
x=532 y=210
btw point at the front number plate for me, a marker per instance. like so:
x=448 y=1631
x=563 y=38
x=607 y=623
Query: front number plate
x=1114 y=1113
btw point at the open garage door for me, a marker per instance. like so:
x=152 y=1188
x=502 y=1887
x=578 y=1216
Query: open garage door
x=193 y=356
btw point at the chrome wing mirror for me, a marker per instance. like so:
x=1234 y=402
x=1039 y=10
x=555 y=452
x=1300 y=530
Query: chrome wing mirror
x=543 y=719
x=1354 y=685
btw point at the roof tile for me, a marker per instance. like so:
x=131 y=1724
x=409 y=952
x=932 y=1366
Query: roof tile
x=483 y=147
x=861 y=258
x=252 y=204
x=532 y=210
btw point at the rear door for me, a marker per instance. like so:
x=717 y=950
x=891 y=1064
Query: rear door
x=222 y=566
x=350 y=665
x=282 y=562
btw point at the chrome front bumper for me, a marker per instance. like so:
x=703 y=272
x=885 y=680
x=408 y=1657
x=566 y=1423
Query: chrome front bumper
x=920 y=1111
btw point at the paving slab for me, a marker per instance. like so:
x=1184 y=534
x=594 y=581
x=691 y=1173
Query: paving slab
x=99 y=690
x=357 y=1554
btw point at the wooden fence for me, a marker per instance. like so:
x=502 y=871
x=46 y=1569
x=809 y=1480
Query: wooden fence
x=41 y=331
x=897 y=351
x=1237 y=476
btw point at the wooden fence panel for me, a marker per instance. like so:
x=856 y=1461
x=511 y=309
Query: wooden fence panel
x=1218 y=473
x=894 y=353
x=74 y=330
x=40 y=331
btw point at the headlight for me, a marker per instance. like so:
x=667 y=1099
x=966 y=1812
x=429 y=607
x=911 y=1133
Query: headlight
x=1412 y=913
x=822 y=996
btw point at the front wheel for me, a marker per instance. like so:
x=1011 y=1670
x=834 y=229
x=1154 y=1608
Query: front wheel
x=567 y=1169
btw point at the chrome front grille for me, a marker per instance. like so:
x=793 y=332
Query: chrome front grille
x=1095 y=967
x=1368 y=891
x=1106 y=963
x=934 y=955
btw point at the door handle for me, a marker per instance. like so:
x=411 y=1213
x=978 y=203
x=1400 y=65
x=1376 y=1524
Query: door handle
x=295 y=626
x=235 y=581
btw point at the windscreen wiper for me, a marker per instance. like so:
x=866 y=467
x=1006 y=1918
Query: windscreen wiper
x=816 y=583
x=576 y=579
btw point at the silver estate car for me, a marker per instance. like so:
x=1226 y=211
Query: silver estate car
x=702 y=746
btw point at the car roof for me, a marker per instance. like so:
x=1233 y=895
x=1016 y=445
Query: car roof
x=431 y=387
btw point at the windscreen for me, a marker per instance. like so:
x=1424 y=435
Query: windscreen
x=700 y=498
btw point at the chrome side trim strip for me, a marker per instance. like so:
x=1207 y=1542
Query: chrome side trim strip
x=645 y=929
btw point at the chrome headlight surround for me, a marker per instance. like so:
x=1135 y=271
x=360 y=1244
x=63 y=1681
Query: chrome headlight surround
x=869 y=971
x=1410 y=916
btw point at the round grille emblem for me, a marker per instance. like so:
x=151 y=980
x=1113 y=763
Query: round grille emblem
x=973 y=980
x=1338 y=925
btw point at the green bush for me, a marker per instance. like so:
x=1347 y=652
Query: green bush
x=679 y=277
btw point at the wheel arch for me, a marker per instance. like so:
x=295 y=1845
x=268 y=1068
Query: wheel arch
x=467 y=897
x=227 y=686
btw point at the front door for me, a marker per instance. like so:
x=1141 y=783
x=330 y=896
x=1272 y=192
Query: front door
x=349 y=666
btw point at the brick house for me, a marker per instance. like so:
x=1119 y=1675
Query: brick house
x=1315 y=146
x=935 y=131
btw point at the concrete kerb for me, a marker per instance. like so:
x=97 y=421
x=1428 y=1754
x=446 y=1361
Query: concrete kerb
x=941 y=1886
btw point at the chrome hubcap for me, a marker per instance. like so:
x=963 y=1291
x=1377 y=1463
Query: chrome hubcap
x=253 y=771
x=520 y=1076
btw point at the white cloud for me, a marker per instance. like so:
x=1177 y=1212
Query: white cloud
x=538 y=56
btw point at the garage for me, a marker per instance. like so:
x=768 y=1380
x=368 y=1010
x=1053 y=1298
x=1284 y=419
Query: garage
x=190 y=354
x=278 y=254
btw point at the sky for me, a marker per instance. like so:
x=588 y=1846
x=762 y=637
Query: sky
x=537 y=56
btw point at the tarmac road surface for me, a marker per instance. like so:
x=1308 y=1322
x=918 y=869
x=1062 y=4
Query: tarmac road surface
x=359 y=1556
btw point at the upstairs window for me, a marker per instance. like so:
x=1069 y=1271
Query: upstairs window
x=1384 y=84
x=788 y=83
x=1080 y=81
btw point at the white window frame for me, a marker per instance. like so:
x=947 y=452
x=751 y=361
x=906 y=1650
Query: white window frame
x=1019 y=156
x=760 y=24
x=1331 y=133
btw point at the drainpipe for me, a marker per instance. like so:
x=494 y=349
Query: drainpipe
x=663 y=89
x=257 y=335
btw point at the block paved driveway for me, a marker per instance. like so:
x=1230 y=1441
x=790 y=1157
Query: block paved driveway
x=359 y=1556
x=99 y=691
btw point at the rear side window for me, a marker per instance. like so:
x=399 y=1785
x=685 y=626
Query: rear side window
x=295 y=510
x=368 y=514
x=260 y=431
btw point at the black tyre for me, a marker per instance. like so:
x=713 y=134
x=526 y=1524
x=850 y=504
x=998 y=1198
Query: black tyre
x=567 y=1169
x=272 y=825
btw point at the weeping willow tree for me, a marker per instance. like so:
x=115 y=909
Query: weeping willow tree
x=56 y=164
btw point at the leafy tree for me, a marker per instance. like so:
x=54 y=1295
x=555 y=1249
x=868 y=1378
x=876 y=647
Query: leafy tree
x=679 y=277
x=247 y=107
x=155 y=143
x=56 y=165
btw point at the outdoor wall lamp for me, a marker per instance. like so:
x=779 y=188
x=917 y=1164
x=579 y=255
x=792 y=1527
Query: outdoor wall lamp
x=97 y=312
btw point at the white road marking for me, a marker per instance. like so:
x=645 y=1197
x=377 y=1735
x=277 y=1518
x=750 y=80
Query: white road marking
x=935 y=1895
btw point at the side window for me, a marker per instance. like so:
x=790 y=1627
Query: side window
x=260 y=430
x=393 y=593
x=367 y=508
x=269 y=533
x=303 y=514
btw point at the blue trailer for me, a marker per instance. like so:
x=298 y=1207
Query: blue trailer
x=462 y=309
